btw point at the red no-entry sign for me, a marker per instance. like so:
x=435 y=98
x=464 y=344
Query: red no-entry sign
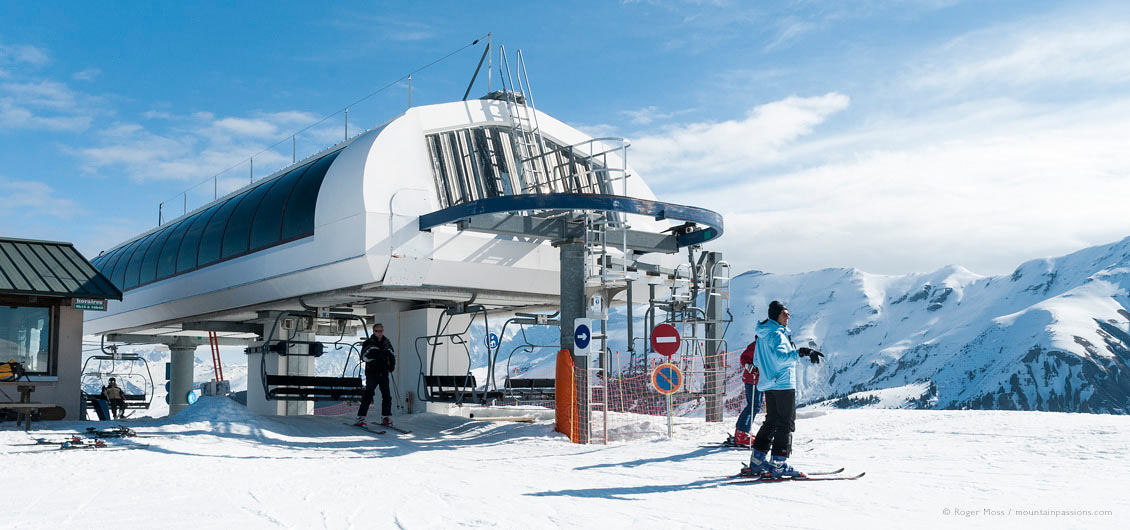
x=665 y=339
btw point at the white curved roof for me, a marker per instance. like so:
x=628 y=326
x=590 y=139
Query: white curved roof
x=366 y=243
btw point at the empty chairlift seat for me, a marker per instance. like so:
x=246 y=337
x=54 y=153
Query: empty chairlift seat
x=531 y=388
x=304 y=387
x=457 y=388
x=313 y=388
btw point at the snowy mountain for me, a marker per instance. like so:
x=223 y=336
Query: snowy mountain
x=1053 y=335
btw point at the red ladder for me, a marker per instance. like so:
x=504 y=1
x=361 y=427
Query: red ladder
x=217 y=368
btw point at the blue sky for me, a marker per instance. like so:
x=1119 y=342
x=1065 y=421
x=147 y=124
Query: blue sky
x=890 y=136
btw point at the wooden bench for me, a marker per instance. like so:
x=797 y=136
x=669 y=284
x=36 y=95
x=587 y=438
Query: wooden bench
x=24 y=407
x=24 y=410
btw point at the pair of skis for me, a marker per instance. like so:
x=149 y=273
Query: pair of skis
x=731 y=444
x=744 y=478
x=379 y=429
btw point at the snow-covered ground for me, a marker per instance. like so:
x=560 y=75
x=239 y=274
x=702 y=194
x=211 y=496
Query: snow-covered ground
x=217 y=465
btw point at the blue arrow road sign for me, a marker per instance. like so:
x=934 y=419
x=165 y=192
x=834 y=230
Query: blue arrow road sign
x=582 y=336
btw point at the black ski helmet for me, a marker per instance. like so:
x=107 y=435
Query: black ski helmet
x=775 y=309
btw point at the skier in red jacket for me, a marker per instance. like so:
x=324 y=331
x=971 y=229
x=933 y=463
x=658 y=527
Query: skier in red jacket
x=750 y=376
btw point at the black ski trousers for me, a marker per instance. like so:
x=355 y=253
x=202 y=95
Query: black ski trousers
x=780 y=422
x=374 y=378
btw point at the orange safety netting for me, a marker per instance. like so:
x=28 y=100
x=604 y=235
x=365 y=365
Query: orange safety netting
x=565 y=397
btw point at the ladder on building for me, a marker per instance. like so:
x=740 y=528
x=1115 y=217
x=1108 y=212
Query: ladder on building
x=528 y=143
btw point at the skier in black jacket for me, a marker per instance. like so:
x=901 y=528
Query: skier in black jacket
x=380 y=360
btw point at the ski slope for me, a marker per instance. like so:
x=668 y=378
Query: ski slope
x=217 y=465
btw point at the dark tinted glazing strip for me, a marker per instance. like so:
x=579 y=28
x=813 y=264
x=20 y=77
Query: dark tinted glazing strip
x=239 y=224
x=186 y=256
x=107 y=267
x=149 y=262
x=298 y=218
x=120 y=268
x=167 y=260
x=213 y=238
x=267 y=226
x=133 y=270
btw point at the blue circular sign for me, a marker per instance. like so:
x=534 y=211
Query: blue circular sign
x=582 y=336
x=191 y=397
x=492 y=341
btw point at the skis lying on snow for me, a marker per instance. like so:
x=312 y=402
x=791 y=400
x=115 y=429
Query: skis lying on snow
x=397 y=429
x=121 y=431
x=366 y=428
x=78 y=443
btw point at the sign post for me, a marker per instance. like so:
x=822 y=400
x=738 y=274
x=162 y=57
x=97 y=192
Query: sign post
x=667 y=379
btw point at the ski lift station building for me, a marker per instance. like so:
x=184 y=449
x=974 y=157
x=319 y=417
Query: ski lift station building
x=45 y=286
x=444 y=211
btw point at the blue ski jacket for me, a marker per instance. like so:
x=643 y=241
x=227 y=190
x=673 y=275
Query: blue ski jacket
x=775 y=357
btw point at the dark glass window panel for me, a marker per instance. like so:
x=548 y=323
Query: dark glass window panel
x=267 y=227
x=149 y=262
x=133 y=270
x=167 y=260
x=25 y=337
x=120 y=268
x=186 y=256
x=213 y=238
x=298 y=218
x=107 y=268
x=239 y=224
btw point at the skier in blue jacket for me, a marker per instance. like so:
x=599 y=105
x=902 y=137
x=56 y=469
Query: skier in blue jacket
x=776 y=357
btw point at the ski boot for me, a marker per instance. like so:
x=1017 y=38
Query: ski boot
x=779 y=468
x=742 y=438
x=360 y=422
x=386 y=421
x=758 y=465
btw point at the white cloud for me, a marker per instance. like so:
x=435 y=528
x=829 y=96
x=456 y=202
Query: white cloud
x=45 y=105
x=732 y=148
x=1039 y=53
x=23 y=53
x=86 y=75
x=651 y=113
x=1006 y=144
x=196 y=147
x=30 y=200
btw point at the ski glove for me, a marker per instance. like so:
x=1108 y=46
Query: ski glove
x=813 y=356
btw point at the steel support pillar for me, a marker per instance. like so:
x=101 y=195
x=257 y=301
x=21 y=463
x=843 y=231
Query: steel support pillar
x=574 y=306
x=713 y=362
x=181 y=361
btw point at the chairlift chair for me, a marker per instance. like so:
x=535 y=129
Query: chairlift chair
x=126 y=369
